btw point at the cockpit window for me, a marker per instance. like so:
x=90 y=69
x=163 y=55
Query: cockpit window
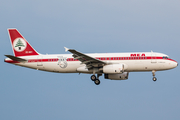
x=165 y=57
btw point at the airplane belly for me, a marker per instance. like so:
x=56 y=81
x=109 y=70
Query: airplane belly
x=137 y=65
x=145 y=65
x=29 y=65
x=68 y=67
x=71 y=67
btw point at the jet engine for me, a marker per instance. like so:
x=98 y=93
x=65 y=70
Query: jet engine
x=114 y=68
x=122 y=76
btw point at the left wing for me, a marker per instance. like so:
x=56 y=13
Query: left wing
x=85 y=59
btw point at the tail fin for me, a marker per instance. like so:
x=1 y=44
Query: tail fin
x=19 y=44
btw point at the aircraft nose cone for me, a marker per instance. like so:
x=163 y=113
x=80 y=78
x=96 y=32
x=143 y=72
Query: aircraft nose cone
x=176 y=64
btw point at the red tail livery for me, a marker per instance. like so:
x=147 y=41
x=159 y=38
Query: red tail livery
x=19 y=44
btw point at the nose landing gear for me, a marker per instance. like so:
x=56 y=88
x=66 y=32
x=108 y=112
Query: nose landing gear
x=154 y=78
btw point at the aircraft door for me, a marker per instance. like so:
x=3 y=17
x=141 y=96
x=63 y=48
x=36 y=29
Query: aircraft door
x=39 y=61
x=153 y=58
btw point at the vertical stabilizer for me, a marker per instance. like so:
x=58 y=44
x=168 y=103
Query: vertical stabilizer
x=19 y=44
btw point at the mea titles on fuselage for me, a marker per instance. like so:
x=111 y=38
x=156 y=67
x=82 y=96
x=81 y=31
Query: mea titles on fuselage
x=114 y=66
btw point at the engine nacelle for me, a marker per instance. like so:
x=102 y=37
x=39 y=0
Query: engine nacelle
x=122 y=76
x=114 y=68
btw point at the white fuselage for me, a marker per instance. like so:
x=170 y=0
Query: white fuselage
x=114 y=66
x=65 y=63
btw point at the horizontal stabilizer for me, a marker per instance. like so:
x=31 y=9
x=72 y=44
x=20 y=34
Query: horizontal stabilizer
x=16 y=58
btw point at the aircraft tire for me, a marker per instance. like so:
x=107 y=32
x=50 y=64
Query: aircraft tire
x=97 y=81
x=93 y=77
x=154 y=78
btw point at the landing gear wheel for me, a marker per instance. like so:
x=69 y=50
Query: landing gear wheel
x=93 y=77
x=97 y=81
x=154 y=78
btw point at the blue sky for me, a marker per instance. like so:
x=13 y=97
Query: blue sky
x=91 y=26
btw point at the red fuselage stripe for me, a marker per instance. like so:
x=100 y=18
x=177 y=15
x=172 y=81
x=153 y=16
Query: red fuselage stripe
x=99 y=58
x=103 y=59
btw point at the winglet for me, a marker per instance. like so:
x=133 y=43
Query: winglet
x=66 y=49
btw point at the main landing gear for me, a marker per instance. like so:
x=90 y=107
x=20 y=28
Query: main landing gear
x=96 y=79
x=154 y=78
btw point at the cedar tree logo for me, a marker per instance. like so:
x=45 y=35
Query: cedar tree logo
x=19 y=44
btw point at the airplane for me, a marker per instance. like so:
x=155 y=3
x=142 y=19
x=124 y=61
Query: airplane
x=114 y=66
